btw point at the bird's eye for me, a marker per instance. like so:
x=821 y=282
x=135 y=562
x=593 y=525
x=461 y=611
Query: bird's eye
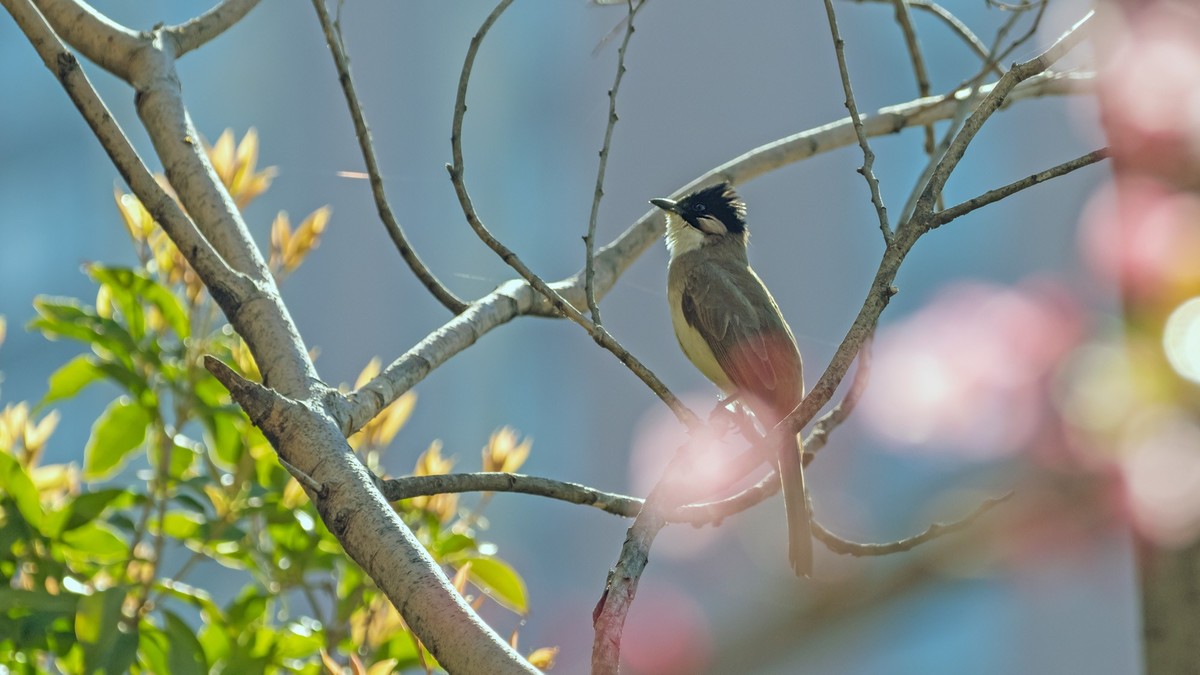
x=699 y=208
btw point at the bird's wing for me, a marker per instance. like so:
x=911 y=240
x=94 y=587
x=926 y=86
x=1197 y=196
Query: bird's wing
x=734 y=312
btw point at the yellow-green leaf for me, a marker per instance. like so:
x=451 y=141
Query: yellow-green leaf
x=119 y=431
x=501 y=582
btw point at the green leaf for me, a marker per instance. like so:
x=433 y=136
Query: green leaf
x=71 y=378
x=67 y=318
x=248 y=607
x=95 y=541
x=453 y=543
x=122 y=296
x=500 y=581
x=131 y=288
x=181 y=525
x=16 y=484
x=185 y=655
x=119 y=431
x=95 y=612
x=17 y=599
x=96 y=622
x=87 y=506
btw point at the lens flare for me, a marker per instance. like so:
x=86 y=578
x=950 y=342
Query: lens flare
x=1181 y=339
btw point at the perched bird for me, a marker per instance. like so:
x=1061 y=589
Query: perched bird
x=731 y=329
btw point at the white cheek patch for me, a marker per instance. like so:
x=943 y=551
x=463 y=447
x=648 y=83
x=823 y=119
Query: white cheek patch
x=711 y=225
x=682 y=237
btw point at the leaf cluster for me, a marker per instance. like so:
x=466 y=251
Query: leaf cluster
x=116 y=565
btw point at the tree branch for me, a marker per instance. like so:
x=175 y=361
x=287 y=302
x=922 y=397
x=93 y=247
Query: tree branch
x=196 y=32
x=104 y=42
x=904 y=19
x=223 y=280
x=590 y=238
x=1015 y=75
x=333 y=37
x=395 y=489
x=839 y=47
x=946 y=215
x=957 y=26
x=602 y=337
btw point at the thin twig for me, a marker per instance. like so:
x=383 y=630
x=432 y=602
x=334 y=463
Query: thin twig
x=955 y=24
x=1014 y=76
x=839 y=47
x=935 y=530
x=965 y=105
x=198 y=31
x=946 y=215
x=456 y=170
x=589 y=240
x=904 y=18
x=333 y=37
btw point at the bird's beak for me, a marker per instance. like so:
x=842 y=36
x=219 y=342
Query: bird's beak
x=668 y=205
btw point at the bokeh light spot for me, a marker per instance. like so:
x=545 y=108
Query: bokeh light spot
x=1181 y=339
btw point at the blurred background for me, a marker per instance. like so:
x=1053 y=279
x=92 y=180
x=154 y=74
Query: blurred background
x=994 y=367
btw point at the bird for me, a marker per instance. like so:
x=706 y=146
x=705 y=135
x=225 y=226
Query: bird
x=732 y=331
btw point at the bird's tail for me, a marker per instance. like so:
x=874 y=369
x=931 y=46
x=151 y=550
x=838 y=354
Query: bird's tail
x=795 y=500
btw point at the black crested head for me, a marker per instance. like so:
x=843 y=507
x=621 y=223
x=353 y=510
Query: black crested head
x=719 y=202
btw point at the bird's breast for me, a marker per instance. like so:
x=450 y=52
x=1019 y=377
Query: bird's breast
x=694 y=346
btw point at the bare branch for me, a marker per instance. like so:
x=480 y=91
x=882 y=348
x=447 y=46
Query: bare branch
x=608 y=618
x=839 y=545
x=602 y=337
x=200 y=30
x=395 y=489
x=946 y=215
x=1018 y=73
x=517 y=298
x=106 y=43
x=956 y=25
x=839 y=47
x=590 y=238
x=904 y=18
x=55 y=55
x=341 y=61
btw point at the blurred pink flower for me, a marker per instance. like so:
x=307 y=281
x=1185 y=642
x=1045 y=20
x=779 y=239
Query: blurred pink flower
x=1162 y=475
x=1149 y=102
x=699 y=475
x=1143 y=236
x=667 y=632
x=967 y=374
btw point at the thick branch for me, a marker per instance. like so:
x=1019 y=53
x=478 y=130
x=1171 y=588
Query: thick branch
x=103 y=41
x=371 y=532
x=200 y=30
x=341 y=61
x=211 y=268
